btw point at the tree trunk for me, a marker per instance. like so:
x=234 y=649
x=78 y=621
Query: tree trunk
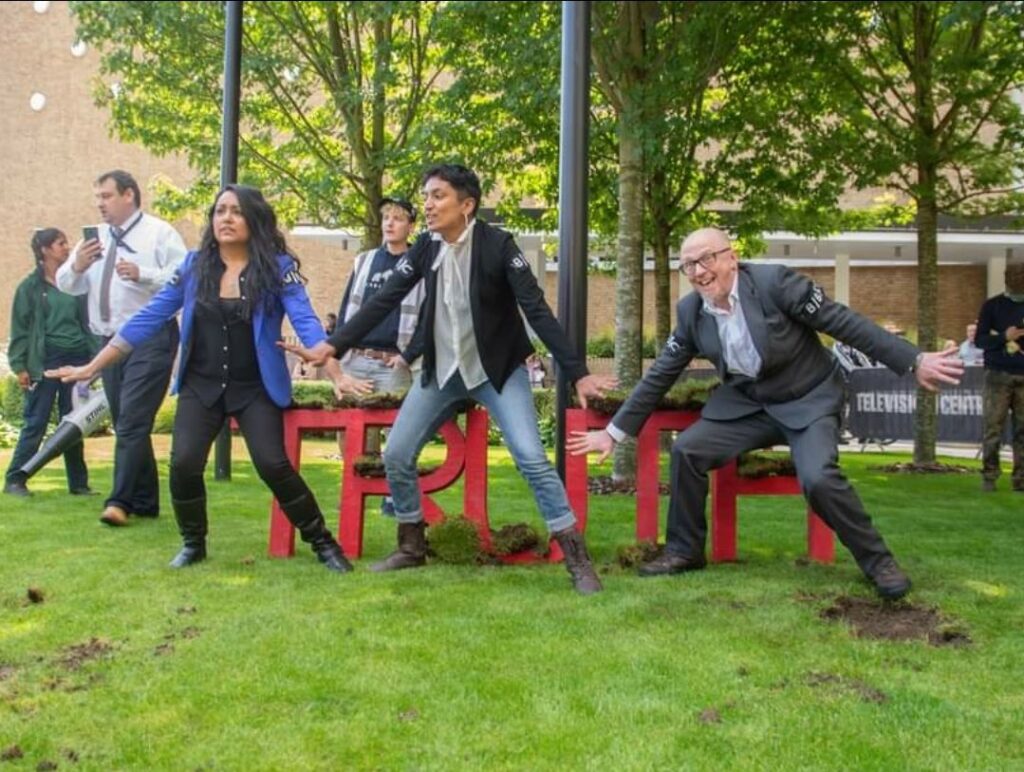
x=927 y=321
x=629 y=288
x=662 y=284
x=926 y=150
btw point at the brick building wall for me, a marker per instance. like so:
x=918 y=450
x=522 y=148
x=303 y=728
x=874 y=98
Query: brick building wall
x=885 y=294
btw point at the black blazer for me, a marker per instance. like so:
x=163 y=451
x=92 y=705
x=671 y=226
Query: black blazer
x=500 y=283
x=799 y=380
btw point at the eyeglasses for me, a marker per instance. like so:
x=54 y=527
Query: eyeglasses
x=704 y=260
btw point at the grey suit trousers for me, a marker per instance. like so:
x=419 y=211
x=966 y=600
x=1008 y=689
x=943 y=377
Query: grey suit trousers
x=709 y=444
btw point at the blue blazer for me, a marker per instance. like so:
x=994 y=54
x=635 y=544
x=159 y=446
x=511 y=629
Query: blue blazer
x=180 y=294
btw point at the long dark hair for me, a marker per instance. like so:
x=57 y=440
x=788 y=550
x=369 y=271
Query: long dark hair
x=41 y=239
x=266 y=242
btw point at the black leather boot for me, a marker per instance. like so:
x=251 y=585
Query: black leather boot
x=577 y=561
x=412 y=549
x=305 y=515
x=191 y=517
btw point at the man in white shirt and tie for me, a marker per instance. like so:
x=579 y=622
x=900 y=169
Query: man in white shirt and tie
x=135 y=255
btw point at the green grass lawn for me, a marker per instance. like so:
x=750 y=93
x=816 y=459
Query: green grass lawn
x=246 y=662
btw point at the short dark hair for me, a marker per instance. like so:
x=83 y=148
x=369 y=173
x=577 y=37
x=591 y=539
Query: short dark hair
x=460 y=177
x=124 y=181
x=403 y=204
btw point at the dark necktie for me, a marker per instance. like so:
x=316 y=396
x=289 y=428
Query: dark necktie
x=108 y=273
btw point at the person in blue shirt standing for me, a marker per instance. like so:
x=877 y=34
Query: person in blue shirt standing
x=233 y=293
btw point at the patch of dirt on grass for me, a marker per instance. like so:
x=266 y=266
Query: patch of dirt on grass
x=163 y=649
x=409 y=715
x=11 y=752
x=70 y=755
x=78 y=654
x=6 y=671
x=863 y=690
x=604 y=485
x=187 y=610
x=191 y=632
x=46 y=765
x=35 y=595
x=927 y=467
x=710 y=716
x=896 y=621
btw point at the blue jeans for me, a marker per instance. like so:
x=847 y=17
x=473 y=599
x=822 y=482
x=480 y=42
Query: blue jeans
x=427 y=407
x=38 y=406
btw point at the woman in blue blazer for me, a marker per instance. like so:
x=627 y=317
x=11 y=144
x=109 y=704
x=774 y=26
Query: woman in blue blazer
x=233 y=294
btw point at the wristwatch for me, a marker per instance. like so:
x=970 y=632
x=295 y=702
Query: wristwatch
x=917 y=362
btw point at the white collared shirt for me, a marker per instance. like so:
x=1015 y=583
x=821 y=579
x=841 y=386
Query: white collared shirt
x=738 y=350
x=454 y=337
x=158 y=249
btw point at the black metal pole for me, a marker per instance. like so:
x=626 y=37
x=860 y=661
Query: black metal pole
x=229 y=166
x=572 y=199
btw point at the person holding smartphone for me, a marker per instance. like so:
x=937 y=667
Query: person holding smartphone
x=119 y=267
x=48 y=330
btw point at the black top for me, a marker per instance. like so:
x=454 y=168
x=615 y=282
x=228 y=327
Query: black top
x=500 y=284
x=222 y=360
x=997 y=314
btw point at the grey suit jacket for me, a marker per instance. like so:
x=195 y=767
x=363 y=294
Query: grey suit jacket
x=799 y=380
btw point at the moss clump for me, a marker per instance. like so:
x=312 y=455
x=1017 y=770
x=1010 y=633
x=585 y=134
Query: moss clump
x=633 y=555
x=688 y=395
x=758 y=465
x=510 y=539
x=454 y=540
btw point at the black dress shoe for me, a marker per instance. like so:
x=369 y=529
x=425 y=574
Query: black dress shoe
x=17 y=488
x=889 y=580
x=330 y=554
x=86 y=491
x=189 y=555
x=671 y=563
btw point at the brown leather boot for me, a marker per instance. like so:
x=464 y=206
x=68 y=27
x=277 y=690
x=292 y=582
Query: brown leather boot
x=412 y=549
x=577 y=561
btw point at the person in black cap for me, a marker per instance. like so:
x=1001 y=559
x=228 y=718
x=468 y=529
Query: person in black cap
x=385 y=355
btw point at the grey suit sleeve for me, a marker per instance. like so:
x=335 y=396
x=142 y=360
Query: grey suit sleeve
x=804 y=301
x=673 y=359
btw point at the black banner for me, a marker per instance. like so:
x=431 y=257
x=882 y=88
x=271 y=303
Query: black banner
x=882 y=406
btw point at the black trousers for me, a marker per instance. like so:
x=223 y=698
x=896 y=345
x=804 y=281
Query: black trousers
x=710 y=444
x=196 y=427
x=135 y=388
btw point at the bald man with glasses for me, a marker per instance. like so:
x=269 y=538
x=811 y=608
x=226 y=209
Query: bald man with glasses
x=759 y=325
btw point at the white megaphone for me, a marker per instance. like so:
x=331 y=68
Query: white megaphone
x=73 y=427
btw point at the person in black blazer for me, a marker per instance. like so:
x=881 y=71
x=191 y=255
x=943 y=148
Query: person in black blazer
x=759 y=325
x=474 y=347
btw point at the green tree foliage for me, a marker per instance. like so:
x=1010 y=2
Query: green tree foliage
x=336 y=97
x=922 y=97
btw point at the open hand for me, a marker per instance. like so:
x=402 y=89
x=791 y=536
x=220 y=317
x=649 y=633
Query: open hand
x=594 y=386
x=71 y=374
x=346 y=384
x=318 y=355
x=581 y=443
x=938 y=367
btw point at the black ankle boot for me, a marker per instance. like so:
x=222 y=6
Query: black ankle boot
x=412 y=549
x=306 y=517
x=191 y=517
x=577 y=561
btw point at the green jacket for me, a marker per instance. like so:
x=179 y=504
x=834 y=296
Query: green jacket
x=28 y=326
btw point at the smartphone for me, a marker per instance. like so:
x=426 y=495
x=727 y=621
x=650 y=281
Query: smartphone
x=90 y=232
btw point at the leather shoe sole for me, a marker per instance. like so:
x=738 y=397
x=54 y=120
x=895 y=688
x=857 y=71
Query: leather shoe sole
x=114 y=517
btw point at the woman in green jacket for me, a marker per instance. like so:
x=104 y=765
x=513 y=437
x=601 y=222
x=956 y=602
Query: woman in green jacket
x=48 y=329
